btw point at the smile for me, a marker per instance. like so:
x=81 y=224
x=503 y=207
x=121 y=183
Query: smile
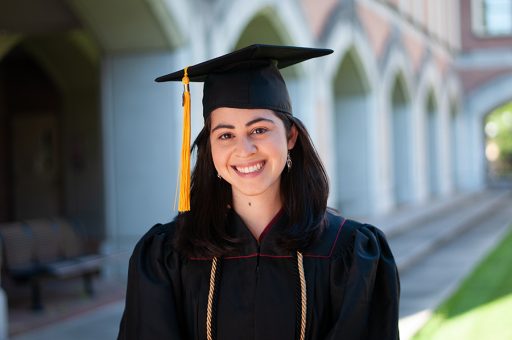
x=249 y=169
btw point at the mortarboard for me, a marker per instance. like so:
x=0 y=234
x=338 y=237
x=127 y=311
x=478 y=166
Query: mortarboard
x=248 y=78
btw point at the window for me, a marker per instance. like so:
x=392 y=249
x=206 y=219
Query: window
x=492 y=17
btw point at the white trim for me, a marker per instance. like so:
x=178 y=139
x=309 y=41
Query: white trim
x=476 y=12
x=396 y=66
x=452 y=96
x=429 y=81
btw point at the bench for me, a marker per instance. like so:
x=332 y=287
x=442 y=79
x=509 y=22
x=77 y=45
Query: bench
x=41 y=249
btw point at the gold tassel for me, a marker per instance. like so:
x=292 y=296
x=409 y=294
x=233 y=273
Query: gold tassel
x=184 y=202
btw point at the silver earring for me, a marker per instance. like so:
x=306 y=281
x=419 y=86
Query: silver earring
x=289 y=162
x=219 y=176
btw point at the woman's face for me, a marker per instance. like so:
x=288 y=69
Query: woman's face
x=249 y=148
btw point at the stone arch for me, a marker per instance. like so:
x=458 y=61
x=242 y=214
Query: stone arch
x=398 y=66
x=261 y=29
x=352 y=97
x=477 y=105
x=174 y=16
x=343 y=38
x=425 y=125
x=355 y=189
x=284 y=16
x=139 y=25
x=397 y=90
x=71 y=61
x=30 y=162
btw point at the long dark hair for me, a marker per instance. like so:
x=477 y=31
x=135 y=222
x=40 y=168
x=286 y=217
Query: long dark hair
x=304 y=192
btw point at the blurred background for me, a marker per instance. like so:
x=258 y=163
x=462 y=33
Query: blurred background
x=412 y=115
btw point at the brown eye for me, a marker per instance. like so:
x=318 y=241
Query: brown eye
x=259 y=131
x=225 y=136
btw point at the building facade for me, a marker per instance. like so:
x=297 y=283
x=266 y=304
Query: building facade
x=396 y=111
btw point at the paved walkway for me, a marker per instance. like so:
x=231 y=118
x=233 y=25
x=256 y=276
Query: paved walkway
x=102 y=324
x=433 y=259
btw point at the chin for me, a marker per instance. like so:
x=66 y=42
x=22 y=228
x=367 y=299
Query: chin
x=254 y=189
x=250 y=191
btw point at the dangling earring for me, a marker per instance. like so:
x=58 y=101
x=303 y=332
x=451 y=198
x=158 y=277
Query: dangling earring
x=289 y=162
x=219 y=176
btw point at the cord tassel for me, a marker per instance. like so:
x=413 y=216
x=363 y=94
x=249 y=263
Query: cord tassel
x=184 y=198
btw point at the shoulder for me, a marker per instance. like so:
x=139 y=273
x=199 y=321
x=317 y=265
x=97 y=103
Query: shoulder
x=159 y=233
x=342 y=235
x=327 y=242
x=156 y=243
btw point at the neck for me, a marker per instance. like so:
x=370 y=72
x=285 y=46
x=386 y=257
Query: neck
x=257 y=211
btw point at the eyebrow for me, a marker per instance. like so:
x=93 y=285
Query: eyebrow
x=254 y=121
x=223 y=126
x=257 y=120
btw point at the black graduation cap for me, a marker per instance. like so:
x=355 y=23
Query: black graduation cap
x=248 y=78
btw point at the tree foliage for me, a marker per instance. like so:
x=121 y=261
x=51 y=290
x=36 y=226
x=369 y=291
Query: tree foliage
x=498 y=128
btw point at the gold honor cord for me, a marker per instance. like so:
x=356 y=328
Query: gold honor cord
x=303 y=298
x=211 y=292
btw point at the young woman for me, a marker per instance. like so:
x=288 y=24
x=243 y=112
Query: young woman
x=259 y=255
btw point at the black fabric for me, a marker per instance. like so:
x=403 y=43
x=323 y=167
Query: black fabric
x=247 y=78
x=259 y=86
x=352 y=287
x=283 y=56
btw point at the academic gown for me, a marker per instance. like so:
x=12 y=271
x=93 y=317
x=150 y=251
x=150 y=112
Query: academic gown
x=351 y=278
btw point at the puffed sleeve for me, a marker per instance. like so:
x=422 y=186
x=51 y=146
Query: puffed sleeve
x=152 y=309
x=365 y=287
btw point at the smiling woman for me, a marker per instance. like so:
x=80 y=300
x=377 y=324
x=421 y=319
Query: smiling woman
x=258 y=255
x=249 y=150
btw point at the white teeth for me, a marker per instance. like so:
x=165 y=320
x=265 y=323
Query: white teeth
x=249 y=169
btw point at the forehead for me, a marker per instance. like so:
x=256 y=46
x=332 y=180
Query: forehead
x=234 y=116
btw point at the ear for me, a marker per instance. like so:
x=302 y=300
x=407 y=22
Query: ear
x=292 y=138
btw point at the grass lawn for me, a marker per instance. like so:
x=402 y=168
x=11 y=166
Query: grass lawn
x=482 y=307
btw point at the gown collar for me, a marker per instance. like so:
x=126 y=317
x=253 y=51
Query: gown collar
x=249 y=245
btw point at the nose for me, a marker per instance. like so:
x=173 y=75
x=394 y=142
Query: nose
x=245 y=147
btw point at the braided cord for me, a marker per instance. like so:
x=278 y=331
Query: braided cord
x=303 y=297
x=211 y=294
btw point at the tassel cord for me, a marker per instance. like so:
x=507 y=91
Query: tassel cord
x=184 y=193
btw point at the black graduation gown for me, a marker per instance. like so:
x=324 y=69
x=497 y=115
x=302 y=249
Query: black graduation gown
x=352 y=287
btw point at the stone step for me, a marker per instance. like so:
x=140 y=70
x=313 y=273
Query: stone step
x=423 y=236
x=409 y=217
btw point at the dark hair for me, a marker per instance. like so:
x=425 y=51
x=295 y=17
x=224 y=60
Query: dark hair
x=304 y=192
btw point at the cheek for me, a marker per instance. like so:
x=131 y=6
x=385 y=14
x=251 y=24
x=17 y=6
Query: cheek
x=277 y=151
x=218 y=157
x=280 y=146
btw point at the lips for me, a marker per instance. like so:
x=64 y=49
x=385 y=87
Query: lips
x=250 y=168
